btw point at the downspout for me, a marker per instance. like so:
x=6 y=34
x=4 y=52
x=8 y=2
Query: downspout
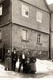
x=50 y=37
x=49 y=29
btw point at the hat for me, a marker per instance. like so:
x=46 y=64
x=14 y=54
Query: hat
x=14 y=49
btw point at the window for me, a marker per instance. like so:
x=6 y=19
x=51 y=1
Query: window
x=24 y=34
x=39 y=17
x=39 y=38
x=25 y=11
x=0 y=10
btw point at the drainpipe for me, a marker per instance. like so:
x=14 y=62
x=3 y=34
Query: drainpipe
x=49 y=29
x=50 y=37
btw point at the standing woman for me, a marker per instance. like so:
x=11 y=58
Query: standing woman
x=8 y=60
x=33 y=64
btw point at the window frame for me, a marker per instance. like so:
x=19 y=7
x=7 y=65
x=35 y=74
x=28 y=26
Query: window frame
x=39 y=39
x=39 y=16
x=25 y=8
x=25 y=40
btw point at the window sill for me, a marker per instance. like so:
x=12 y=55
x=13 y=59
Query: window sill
x=25 y=40
x=39 y=43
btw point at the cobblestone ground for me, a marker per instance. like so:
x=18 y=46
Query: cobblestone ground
x=44 y=69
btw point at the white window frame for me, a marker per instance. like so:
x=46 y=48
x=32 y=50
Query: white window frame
x=39 y=16
x=24 y=35
x=25 y=9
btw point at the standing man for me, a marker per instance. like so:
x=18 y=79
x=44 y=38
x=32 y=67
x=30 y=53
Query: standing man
x=22 y=61
x=14 y=59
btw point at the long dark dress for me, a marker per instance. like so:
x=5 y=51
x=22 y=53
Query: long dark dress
x=8 y=61
x=33 y=64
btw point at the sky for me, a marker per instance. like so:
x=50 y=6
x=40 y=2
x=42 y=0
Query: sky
x=49 y=1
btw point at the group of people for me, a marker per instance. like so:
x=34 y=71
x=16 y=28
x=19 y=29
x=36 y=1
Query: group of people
x=10 y=59
x=24 y=59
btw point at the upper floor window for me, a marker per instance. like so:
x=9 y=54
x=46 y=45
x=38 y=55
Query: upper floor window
x=25 y=11
x=0 y=10
x=39 y=16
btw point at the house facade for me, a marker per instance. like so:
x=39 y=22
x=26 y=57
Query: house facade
x=25 y=24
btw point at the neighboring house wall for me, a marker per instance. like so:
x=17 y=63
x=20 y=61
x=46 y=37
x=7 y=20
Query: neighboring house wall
x=51 y=46
x=6 y=35
x=6 y=13
x=51 y=38
x=5 y=23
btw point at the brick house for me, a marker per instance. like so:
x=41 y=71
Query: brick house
x=24 y=24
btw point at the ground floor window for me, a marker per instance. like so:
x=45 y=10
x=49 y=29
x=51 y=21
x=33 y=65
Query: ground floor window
x=39 y=38
x=24 y=34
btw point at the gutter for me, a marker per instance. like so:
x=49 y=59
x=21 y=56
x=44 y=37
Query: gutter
x=50 y=38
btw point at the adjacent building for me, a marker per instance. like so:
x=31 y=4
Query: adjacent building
x=25 y=24
x=51 y=30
